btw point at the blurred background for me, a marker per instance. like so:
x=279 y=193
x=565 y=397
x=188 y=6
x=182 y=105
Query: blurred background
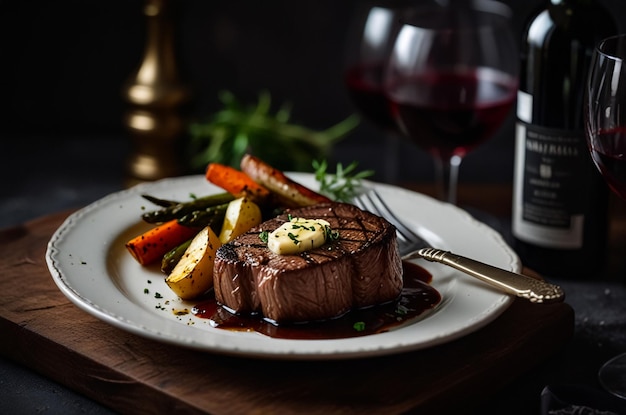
x=64 y=64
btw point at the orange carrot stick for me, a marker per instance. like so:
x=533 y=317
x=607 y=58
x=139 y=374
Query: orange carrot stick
x=150 y=246
x=236 y=182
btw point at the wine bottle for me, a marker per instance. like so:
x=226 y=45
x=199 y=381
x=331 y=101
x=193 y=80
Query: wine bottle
x=560 y=201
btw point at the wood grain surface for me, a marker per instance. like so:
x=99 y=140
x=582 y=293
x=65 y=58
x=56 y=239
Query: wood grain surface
x=43 y=330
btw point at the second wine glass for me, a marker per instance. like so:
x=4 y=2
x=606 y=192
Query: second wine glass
x=451 y=81
x=605 y=125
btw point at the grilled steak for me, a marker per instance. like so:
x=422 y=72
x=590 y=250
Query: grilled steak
x=360 y=269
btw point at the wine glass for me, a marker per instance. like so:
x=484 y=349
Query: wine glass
x=452 y=80
x=605 y=125
x=373 y=36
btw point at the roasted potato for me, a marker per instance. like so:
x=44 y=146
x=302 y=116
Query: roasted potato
x=241 y=215
x=193 y=275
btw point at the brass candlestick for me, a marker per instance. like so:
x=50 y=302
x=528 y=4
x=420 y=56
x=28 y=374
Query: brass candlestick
x=156 y=96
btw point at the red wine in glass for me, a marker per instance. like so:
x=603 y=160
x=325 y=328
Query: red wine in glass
x=376 y=26
x=605 y=125
x=448 y=113
x=365 y=87
x=451 y=80
x=608 y=151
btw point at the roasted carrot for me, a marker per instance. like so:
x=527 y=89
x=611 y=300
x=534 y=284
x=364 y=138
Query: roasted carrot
x=150 y=246
x=236 y=182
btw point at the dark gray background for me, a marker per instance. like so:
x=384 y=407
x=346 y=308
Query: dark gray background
x=63 y=64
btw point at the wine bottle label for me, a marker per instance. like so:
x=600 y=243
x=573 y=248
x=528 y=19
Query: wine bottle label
x=549 y=196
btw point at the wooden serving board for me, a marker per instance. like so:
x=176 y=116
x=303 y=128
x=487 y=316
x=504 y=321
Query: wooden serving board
x=46 y=332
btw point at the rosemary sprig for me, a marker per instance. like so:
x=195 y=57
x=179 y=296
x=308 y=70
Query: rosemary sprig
x=344 y=184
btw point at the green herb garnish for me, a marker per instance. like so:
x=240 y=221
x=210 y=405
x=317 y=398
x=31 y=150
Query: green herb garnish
x=330 y=235
x=306 y=228
x=235 y=130
x=342 y=186
x=294 y=238
x=263 y=236
x=359 y=326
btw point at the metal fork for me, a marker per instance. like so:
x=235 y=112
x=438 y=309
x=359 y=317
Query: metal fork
x=412 y=246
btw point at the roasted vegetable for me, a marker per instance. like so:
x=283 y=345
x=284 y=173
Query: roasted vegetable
x=193 y=275
x=150 y=246
x=236 y=183
x=212 y=216
x=288 y=192
x=181 y=209
x=160 y=202
x=171 y=258
x=241 y=215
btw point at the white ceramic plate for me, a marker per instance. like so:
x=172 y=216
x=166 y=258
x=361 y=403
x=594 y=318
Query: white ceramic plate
x=90 y=265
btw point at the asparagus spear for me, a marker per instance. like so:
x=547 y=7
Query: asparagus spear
x=180 y=210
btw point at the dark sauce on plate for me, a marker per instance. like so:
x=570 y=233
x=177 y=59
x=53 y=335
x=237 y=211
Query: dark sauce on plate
x=417 y=297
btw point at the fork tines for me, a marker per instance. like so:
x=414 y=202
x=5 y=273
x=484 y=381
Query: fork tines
x=408 y=240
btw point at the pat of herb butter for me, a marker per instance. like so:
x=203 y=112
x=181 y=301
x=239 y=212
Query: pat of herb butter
x=299 y=235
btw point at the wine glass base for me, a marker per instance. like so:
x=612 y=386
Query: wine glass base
x=612 y=376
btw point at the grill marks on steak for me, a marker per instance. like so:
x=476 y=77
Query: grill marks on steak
x=362 y=268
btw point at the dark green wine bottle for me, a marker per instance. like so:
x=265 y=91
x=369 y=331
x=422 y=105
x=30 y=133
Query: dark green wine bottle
x=560 y=201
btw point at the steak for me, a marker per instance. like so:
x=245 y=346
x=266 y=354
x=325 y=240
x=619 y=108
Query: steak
x=360 y=269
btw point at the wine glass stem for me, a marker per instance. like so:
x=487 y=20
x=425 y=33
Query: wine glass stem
x=447 y=177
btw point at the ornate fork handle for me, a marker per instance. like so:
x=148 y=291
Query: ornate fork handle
x=534 y=290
